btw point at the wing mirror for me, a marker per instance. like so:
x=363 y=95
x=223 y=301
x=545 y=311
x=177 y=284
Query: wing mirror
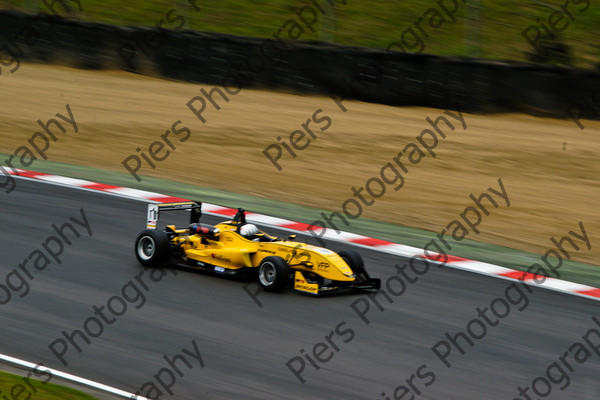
x=291 y=237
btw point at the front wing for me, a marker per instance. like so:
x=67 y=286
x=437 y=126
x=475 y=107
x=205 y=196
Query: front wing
x=303 y=285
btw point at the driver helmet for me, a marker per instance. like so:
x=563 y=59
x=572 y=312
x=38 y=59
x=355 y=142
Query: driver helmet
x=248 y=230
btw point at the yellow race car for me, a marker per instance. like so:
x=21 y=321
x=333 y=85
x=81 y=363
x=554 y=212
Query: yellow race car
x=236 y=247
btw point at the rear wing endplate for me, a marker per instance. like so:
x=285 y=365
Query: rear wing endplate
x=155 y=209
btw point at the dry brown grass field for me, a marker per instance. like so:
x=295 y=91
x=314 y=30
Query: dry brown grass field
x=550 y=167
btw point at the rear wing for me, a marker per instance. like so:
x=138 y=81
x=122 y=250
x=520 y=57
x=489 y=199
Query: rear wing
x=155 y=209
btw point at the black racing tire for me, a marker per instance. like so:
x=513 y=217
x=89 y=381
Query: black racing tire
x=152 y=248
x=273 y=274
x=354 y=261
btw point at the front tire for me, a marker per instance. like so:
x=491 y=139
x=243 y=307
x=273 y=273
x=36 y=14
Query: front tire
x=355 y=262
x=152 y=248
x=273 y=274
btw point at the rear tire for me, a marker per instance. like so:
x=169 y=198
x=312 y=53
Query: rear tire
x=273 y=274
x=152 y=248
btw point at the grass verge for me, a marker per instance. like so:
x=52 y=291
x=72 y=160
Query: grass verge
x=15 y=387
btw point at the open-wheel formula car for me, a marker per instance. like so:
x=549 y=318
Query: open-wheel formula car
x=236 y=247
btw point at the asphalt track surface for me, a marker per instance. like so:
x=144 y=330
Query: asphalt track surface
x=245 y=347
